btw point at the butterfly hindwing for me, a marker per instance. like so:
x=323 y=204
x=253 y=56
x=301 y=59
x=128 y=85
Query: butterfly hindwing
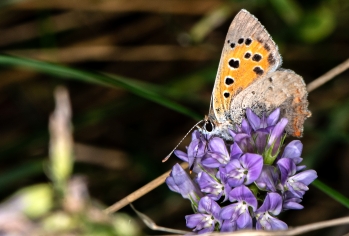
x=282 y=88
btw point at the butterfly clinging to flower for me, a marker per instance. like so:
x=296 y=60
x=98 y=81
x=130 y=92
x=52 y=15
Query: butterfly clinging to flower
x=250 y=76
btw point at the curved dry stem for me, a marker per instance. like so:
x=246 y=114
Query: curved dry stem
x=140 y=192
x=293 y=231
x=328 y=76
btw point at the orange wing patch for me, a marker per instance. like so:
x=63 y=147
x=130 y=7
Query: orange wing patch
x=244 y=62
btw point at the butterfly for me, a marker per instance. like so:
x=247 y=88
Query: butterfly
x=250 y=76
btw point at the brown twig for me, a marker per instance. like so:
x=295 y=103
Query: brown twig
x=328 y=76
x=192 y=7
x=290 y=232
x=140 y=192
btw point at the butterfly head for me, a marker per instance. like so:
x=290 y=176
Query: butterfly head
x=212 y=127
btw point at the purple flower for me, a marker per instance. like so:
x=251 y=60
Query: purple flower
x=207 y=217
x=218 y=154
x=291 y=201
x=271 y=207
x=268 y=179
x=180 y=182
x=237 y=216
x=210 y=185
x=296 y=183
x=196 y=150
x=275 y=141
x=264 y=122
x=253 y=119
x=293 y=150
x=243 y=170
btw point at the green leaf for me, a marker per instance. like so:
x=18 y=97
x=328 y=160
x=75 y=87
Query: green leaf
x=332 y=193
x=141 y=89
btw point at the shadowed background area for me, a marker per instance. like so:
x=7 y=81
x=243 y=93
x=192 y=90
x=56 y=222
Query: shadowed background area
x=139 y=75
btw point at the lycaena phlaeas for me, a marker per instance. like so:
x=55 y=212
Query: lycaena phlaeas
x=249 y=76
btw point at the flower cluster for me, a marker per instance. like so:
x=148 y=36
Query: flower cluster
x=244 y=184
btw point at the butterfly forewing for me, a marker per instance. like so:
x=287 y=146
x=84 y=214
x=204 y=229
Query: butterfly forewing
x=249 y=54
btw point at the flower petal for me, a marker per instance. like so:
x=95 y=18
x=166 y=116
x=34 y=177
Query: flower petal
x=268 y=178
x=305 y=177
x=293 y=149
x=228 y=226
x=245 y=127
x=272 y=203
x=235 y=151
x=179 y=181
x=270 y=223
x=227 y=211
x=253 y=119
x=254 y=164
x=242 y=193
x=244 y=221
x=194 y=219
x=287 y=168
x=218 y=145
x=207 y=205
x=181 y=155
x=210 y=186
x=273 y=117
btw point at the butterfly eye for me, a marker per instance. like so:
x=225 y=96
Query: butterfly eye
x=208 y=126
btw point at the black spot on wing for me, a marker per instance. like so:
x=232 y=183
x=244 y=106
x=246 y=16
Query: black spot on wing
x=247 y=55
x=256 y=57
x=248 y=41
x=271 y=59
x=229 y=80
x=258 y=70
x=266 y=46
x=234 y=63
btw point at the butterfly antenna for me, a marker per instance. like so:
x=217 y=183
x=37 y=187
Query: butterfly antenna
x=168 y=156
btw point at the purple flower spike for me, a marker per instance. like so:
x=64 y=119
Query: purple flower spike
x=272 y=205
x=180 y=182
x=244 y=170
x=209 y=185
x=207 y=217
x=239 y=169
x=217 y=155
x=237 y=216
